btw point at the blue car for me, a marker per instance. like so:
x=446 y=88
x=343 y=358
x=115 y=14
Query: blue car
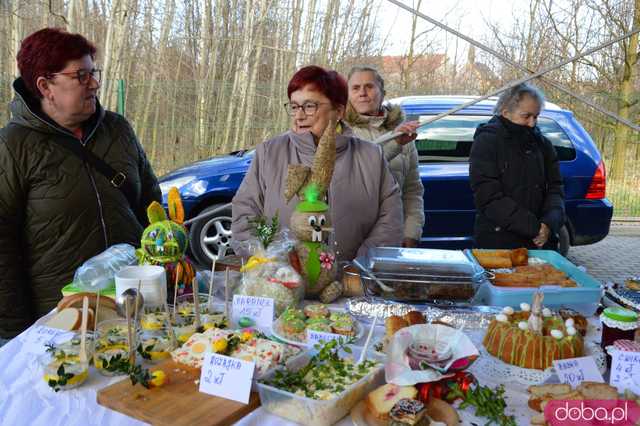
x=208 y=186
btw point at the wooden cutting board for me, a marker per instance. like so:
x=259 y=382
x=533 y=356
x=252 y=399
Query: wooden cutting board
x=177 y=402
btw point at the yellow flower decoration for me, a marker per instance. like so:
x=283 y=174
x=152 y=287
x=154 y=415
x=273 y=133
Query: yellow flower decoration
x=246 y=336
x=158 y=378
x=220 y=345
x=253 y=262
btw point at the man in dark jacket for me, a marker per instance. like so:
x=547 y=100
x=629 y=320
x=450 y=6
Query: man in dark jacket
x=515 y=177
x=56 y=210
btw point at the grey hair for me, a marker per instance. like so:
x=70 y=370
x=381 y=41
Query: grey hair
x=365 y=68
x=510 y=98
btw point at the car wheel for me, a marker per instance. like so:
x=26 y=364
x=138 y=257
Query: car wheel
x=210 y=237
x=565 y=241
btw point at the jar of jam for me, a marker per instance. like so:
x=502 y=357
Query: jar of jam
x=617 y=324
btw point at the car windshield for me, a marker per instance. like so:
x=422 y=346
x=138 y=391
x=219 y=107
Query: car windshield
x=449 y=139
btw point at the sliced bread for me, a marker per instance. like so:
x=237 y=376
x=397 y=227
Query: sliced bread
x=66 y=319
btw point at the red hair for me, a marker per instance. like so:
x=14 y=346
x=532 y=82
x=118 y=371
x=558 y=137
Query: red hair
x=328 y=82
x=48 y=51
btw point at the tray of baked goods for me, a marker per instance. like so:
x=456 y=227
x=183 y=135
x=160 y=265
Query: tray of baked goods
x=420 y=275
x=516 y=274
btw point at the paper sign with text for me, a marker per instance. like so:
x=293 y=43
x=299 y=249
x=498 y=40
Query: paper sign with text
x=259 y=309
x=226 y=377
x=38 y=336
x=574 y=371
x=625 y=371
x=314 y=337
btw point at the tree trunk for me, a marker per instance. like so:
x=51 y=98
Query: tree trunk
x=629 y=73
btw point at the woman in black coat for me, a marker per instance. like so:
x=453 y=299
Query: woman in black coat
x=515 y=177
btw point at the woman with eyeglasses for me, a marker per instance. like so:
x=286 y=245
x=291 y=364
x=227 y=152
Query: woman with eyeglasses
x=366 y=208
x=59 y=204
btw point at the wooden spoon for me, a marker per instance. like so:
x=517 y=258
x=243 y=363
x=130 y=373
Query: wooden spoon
x=83 y=328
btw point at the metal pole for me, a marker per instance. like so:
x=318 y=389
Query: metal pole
x=517 y=65
x=393 y=135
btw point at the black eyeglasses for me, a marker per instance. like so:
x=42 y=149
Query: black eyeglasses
x=82 y=75
x=309 y=108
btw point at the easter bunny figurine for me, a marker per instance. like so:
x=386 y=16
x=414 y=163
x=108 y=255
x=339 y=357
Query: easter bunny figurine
x=311 y=219
x=164 y=242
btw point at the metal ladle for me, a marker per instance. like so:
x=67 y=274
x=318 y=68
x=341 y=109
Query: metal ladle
x=369 y=274
x=129 y=297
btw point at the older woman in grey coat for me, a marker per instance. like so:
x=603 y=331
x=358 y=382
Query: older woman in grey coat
x=370 y=119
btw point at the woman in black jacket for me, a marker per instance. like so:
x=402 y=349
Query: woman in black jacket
x=515 y=177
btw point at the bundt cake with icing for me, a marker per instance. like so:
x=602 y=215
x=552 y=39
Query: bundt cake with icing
x=532 y=337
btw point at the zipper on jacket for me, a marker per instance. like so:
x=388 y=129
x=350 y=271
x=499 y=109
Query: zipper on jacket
x=100 y=213
x=93 y=183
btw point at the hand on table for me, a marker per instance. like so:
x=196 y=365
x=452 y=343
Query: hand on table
x=409 y=243
x=542 y=237
x=408 y=130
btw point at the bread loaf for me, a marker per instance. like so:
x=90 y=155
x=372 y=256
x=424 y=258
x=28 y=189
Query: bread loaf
x=75 y=301
x=393 y=324
x=414 y=317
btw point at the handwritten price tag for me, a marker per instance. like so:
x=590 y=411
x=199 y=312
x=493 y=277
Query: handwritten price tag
x=226 y=377
x=38 y=336
x=574 y=371
x=259 y=309
x=625 y=371
x=314 y=337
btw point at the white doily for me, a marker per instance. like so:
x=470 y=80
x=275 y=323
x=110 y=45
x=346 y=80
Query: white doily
x=620 y=325
x=488 y=366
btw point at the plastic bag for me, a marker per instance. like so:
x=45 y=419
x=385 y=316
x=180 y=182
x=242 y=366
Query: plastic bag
x=267 y=273
x=98 y=272
x=204 y=278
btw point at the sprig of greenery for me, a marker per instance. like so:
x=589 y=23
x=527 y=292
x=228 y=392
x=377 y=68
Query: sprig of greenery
x=264 y=230
x=488 y=403
x=63 y=378
x=117 y=364
x=144 y=351
x=326 y=369
x=137 y=374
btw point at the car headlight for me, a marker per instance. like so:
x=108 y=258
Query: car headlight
x=177 y=182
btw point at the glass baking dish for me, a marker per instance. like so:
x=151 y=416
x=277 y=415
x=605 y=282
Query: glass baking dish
x=421 y=275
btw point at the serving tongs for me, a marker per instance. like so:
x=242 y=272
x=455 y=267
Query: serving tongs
x=370 y=274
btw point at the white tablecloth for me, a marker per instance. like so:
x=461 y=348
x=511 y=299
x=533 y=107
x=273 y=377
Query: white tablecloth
x=25 y=399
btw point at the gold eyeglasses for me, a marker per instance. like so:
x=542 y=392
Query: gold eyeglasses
x=309 y=108
x=82 y=75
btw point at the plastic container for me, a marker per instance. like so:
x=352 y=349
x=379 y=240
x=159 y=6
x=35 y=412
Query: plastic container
x=152 y=280
x=63 y=373
x=211 y=312
x=313 y=412
x=154 y=345
x=111 y=345
x=585 y=298
x=70 y=350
